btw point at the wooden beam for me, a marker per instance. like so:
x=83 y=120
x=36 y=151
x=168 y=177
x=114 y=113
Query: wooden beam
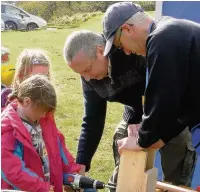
x=150 y=159
x=172 y=188
x=137 y=174
x=132 y=172
x=150 y=180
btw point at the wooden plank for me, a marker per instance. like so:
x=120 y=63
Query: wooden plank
x=150 y=158
x=132 y=171
x=150 y=180
x=133 y=176
x=172 y=188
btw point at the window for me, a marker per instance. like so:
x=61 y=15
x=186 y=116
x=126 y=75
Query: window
x=24 y=14
x=2 y=9
x=11 y=10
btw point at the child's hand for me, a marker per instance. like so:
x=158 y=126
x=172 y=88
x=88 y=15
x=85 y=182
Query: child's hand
x=69 y=189
x=82 y=170
x=51 y=188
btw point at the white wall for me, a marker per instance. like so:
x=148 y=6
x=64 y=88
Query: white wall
x=158 y=12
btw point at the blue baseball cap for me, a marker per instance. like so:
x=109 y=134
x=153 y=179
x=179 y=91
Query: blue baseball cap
x=115 y=16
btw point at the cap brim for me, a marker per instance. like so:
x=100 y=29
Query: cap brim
x=108 y=46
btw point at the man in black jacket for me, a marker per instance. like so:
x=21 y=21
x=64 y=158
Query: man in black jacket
x=172 y=50
x=118 y=78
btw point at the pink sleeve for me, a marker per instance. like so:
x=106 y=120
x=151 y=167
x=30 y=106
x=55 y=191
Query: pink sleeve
x=68 y=162
x=14 y=171
x=69 y=165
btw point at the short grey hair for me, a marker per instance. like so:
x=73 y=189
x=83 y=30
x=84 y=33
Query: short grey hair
x=83 y=40
x=138 y=18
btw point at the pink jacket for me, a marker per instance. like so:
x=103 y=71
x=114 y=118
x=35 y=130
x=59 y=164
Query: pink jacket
x=21 y=167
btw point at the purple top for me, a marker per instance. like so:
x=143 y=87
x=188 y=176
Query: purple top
x=4 y=95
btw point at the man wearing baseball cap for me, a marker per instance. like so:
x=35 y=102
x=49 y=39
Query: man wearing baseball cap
x=172 y=50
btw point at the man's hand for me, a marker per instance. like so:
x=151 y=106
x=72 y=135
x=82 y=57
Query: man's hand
x=69 y=189
x=82 y=170
x=133 y=130
x=51 y=188
x=129 y=142
x=159 y=144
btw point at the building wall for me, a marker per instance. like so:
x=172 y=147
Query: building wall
x=182 y=9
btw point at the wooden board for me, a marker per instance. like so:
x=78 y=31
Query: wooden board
x=150 y=158
x=172 y=188
x=132 y=177
x=137 y=174
x=150 y=180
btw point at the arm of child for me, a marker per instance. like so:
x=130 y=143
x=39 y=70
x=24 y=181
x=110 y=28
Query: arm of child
x=14 y=171
x=69 y=164
x=68 y=161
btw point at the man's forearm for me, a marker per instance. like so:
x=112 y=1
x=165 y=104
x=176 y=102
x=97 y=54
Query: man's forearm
x=133 y=113
x=92 y=126
x=90 y=137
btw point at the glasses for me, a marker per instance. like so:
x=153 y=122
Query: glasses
x=119 y=45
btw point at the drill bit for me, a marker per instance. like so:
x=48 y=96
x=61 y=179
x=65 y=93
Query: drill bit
x=110 y=186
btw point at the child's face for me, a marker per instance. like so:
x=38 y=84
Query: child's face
x=40 y=69
x=32 y=111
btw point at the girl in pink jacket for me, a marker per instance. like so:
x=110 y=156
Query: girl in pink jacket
x=33 y=153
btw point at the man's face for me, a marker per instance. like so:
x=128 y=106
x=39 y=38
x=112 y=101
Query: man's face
x=128 y=39
x=90 y=68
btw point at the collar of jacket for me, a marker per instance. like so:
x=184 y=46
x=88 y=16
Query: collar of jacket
x=19 y=130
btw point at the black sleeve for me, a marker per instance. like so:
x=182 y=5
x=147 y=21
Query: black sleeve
x=92 y=126
x=167 y=66
x=133 y=115
x=121 y=63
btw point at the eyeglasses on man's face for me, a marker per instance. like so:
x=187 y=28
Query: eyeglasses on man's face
x=119 y=45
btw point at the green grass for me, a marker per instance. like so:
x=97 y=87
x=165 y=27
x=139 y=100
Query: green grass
x=70 y=101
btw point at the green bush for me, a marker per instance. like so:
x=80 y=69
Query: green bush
x=147 y=5
x=73 y=21
x=49 y=10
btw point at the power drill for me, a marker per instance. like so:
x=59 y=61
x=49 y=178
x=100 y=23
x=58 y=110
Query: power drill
x=81 y=182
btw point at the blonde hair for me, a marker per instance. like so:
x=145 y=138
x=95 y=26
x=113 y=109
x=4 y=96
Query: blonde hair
x=25 y=62
x=39 y=89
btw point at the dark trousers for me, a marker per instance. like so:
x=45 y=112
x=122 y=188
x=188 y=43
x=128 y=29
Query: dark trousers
x=178 y=157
